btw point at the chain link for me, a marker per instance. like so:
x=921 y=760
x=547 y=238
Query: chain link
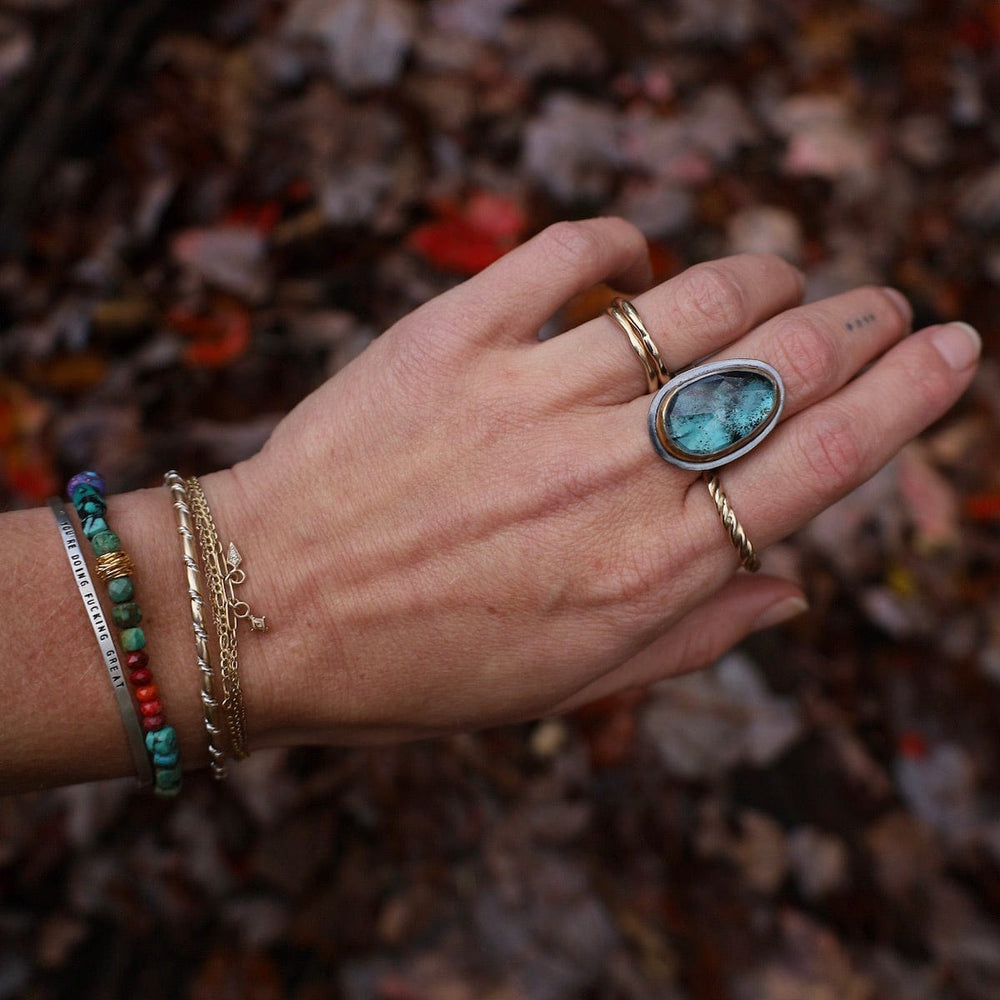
x=212 y=554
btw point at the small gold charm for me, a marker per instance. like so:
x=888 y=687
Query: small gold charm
x=233 y=579
x=259 y=624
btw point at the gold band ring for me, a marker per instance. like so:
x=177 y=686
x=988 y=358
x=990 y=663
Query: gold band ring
x=624 y=314
x=731 y=522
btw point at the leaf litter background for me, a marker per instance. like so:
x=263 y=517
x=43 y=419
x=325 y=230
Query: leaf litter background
x=207 y=209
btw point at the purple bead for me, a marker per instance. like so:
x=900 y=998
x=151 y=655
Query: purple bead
x=89 y=479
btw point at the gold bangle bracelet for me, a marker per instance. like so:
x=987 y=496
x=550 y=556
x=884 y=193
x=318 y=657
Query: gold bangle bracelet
x=209 y=701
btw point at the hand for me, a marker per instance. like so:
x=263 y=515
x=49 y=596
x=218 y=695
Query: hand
x=467 y=526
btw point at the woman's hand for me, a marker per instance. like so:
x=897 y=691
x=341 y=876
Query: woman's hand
x=468 y=526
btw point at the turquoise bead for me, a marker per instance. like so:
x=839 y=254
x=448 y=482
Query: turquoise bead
x=121 y=589
x=86 y=493
x=162 y=741
x=168 y=781
x=133 y=639
x=104 y=542
x=93 y=524
x=90 y=503
x=166 y=759
x=126 y=614
x=716 y=413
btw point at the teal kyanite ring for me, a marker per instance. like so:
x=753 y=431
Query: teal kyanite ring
x=712 y=414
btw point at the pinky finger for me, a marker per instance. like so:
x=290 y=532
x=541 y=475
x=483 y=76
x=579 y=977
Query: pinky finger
x=743 y=605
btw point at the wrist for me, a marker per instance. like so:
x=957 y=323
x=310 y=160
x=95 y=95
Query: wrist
x=269 y=661
x=148 y=526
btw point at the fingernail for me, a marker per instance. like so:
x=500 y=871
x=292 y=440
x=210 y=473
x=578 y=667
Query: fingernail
x=958 y=343
x=781 y=612
x=902 y=303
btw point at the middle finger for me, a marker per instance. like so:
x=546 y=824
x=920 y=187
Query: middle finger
x=697 y=312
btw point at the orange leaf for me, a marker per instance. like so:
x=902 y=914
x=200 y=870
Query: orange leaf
x=217 y=338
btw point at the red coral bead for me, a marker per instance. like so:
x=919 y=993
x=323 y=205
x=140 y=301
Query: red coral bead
x=141 y=677
x=154 y=707
x=147 y=693
x=137 y=660
x=153 y=722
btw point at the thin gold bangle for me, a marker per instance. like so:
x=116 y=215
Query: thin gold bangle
x=209 y=701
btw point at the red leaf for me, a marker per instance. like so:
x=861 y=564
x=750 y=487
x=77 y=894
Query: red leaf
x=469 y=239
x=218 y=337
x=263 y=217
x=983 y=506
x=912 y=745
x=30 y=475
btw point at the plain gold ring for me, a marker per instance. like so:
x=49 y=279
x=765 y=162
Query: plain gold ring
x=625 y=315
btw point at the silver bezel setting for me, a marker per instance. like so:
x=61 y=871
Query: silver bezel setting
x=661 y=402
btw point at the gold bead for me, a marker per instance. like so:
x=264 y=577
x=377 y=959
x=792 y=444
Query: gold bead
x=113 y=565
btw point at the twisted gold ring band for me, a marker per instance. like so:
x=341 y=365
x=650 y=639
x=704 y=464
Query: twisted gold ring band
x=731 y=522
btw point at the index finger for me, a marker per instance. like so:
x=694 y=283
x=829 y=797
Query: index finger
x=513 y=298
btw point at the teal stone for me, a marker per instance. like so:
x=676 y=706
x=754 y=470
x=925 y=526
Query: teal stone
x=121 y=589
x=86 y=493
x=162 y=741
x=91 y=503
x=133 y=639
x=105 y=542
x=716 y=413
x=166 y=759
x=126 y=614
x=93 y=524
x=168 y=781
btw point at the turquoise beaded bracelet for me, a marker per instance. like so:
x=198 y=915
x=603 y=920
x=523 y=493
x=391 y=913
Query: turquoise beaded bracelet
x=109 y=654
x=114 y=567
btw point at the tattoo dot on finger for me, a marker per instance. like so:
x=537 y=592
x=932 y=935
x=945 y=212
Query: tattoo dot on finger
x=859 y=321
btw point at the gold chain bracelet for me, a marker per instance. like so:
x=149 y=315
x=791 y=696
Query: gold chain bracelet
x=224 y=573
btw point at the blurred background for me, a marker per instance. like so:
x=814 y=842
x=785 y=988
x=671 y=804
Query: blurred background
x=207 y=209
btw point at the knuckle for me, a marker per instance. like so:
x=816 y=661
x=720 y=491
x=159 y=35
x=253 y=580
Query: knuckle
x=698 y=648
x=807 y=358
x=710 y=292
x=926 y=379
x=834 y=452
x=422 y=353
x=635 y=581
x=571 y=244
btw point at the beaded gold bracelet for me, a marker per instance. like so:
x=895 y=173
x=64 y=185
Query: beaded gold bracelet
x=115 y=569
x=224 y=573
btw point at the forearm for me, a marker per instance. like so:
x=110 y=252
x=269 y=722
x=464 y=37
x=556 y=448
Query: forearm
x=59 y=719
